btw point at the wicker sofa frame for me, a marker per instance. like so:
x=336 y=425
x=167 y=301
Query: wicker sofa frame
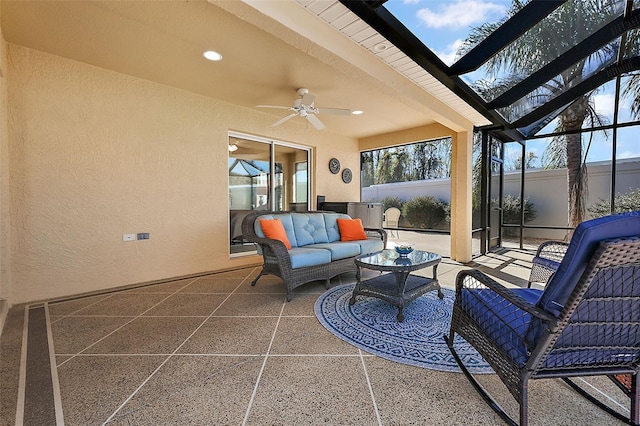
x=596 y=332
x=277 y=261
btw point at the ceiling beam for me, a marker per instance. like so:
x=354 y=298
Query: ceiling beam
x=527 y=17
x=609 y=32
x=591 y=83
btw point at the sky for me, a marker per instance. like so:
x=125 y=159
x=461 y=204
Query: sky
x=442 y=25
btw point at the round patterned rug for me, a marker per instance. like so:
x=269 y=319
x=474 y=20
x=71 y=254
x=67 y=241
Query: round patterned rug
x=371 y=325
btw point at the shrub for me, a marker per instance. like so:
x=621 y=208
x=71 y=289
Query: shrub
x=426 y=212
x=388 y=202
x=511 y=213
x=623 y=203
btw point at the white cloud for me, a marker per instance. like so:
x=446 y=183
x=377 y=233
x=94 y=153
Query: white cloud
x=448 y=55
x=604 y=103
x=461 y=13
x=410 y=1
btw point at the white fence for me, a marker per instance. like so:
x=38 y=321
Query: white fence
x=546 y=189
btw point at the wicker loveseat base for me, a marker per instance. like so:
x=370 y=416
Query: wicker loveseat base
x=294 y=278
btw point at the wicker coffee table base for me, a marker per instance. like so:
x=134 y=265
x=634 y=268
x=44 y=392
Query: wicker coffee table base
x=397 y=288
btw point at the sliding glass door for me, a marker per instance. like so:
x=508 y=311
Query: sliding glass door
x=264 y=175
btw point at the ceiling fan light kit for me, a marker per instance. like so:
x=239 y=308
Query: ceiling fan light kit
x=305 y=107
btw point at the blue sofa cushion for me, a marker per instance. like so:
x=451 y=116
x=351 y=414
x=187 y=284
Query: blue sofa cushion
x=331 y=224
x=287 y=223
x=302 y=257
x=370 y=246
x=503 y=322
x=309 y=228
x=339 y=250
x=584 y=242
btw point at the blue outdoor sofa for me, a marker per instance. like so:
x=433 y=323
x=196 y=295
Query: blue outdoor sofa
x=316 y=253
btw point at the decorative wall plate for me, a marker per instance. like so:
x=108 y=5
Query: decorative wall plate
x=334 y=165
x=347 y=175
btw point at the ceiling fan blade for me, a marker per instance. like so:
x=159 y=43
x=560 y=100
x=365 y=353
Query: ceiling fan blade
x=272 y=106
x=282 y=120
x=335 y=111
x=315 y=121
x=308 y=99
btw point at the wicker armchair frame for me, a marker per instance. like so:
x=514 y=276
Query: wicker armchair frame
x=595 y=334
x=544 y=264
x=277 y=261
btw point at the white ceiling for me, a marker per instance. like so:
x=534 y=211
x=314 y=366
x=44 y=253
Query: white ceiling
x=269 y=48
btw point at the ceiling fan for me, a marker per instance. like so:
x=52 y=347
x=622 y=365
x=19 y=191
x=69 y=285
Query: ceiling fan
x=304 y=107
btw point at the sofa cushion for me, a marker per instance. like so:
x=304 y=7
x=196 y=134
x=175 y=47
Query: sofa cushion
x=583 y=244
x=370 y=246
x=309 y=228
x=274 y=229
x=339 y=250
x=287 y=223
x=351 y=230
x=302 y=257
x=331 y=224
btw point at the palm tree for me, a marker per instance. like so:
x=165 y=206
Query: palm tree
x=570 y=24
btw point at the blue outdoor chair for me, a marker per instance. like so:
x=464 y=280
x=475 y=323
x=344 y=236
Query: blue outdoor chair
x=585 y=322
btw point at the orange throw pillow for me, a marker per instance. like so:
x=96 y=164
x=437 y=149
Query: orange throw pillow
x=351 y=230
x=274 y=229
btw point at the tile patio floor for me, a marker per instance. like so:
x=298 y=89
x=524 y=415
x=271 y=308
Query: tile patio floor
x=213 y=350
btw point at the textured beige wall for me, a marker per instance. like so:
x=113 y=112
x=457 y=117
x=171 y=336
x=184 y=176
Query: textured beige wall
x=416 y=134
x=95 y=154
x=5 y=292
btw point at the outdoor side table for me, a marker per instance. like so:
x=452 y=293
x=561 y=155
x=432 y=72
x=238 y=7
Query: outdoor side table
x=398 y=286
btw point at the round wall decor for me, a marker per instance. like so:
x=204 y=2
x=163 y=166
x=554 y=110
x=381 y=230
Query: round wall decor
x=334 y=165
x=347 y=175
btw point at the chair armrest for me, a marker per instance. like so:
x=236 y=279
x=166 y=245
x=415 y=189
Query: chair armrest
x=273 y=251
x=474 y=279
x=546 y=261
x=552 y=250
x=382 y=232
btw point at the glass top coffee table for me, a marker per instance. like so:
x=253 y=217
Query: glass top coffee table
x=398 y=287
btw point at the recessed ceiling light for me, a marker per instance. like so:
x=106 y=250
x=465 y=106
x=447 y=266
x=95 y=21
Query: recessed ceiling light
x=380 y=47
x=212 y=55
x=357 y=112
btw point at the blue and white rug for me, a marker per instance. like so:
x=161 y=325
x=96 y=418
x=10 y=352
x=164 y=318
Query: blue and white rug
x=371 y=325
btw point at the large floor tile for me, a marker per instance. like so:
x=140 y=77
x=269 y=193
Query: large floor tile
x=190 y=390
x=148 y=335
x=124 y=304
x=93 y=387
x=232 y=335
x=313 y=391
x=74 y=334
x=213 y=284
x=305 y=335
x=72 y=306
x=413 y=395
x=187 y=304
x=260 y=304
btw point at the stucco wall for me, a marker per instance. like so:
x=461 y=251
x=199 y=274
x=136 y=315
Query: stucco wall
x=4 y=186
x=95 y=154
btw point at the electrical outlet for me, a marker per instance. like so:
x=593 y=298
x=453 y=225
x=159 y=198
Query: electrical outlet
x=143 y=236
x=128 y=237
